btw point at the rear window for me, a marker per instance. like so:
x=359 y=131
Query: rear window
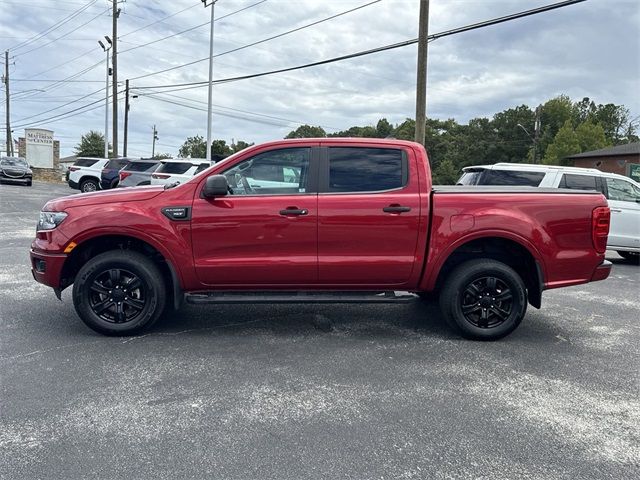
x=174 y=168
x=116 y=163
x=366 y=169
x=511 y=177
x=578 y=182
x=470 y=178
x=140 y=166
x=85 y=162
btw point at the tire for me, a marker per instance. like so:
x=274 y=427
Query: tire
x=494 y=297
x=631 y=257
x=121 y=303
x=89 y=185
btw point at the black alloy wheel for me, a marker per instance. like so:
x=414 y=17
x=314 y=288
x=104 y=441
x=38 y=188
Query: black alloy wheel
x=483 y=299
x=486 y=302
x=117 y=296
x=119 y=292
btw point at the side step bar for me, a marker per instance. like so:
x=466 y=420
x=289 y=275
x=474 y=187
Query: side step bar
x=298 y=297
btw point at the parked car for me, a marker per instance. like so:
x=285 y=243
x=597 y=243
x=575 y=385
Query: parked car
x=15 y=170
x=180 y=171
x=622 y=192
x=110 y=174
x=138 y=172
x=361 y=223
x=84 y=174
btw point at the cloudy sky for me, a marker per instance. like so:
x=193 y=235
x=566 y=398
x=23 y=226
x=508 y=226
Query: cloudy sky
x=589 y=49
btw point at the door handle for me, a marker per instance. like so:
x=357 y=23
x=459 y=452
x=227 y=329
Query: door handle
x=396 y=209
x=294 y=211
x=617 y=210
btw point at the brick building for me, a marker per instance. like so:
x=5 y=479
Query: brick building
x=621 y=159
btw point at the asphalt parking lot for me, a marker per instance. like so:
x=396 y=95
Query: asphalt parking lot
x=321 y=392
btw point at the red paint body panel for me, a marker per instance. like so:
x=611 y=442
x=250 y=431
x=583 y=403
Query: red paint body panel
x=345 y=242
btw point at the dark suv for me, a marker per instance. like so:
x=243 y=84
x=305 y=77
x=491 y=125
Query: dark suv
x=15 y=170
x=110 y=173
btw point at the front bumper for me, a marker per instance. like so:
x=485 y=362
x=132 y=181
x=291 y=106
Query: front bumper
x=27 y=179
x=47 y=267
x=602 y=271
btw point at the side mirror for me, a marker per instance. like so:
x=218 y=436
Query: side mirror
x=215 y=186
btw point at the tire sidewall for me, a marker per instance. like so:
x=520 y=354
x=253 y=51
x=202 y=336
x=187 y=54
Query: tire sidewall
x=85 y=182
x=468 y=273
x=136 y=264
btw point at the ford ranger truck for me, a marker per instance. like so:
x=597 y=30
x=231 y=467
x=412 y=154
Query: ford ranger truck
x=320 y=220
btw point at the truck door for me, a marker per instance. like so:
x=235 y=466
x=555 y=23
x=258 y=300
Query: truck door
x=369 y=214
x=264 y=232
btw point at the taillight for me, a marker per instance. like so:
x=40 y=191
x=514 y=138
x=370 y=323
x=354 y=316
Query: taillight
x=600 y=220
x=124 y=175
x=159 y=175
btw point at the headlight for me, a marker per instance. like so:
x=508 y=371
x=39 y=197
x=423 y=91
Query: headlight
x=50 y=220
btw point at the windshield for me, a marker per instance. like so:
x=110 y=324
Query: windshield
x=14 y=162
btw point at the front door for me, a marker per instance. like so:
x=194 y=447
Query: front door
x=368 y=217
x=264 y=232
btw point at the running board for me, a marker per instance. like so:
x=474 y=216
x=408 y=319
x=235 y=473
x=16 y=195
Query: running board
x=299 y=297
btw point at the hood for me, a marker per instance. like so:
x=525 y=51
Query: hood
x=118 y=195
x=14 y=170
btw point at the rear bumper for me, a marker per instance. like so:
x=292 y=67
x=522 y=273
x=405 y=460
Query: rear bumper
x=602 y=271
x=74 y=185
x=47 y=267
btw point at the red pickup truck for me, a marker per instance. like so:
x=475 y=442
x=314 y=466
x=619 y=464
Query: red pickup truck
x=320 y=220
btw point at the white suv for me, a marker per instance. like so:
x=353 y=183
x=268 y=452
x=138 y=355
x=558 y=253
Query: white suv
x=180 y=171
x=84 y=174
x=622 y=192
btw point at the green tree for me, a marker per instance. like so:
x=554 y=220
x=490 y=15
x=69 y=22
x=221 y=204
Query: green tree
x=383 y=128
x=446 y=173
x=307 y=131
x=406 y=130
x=240 y=145
x=220 y=148
x=565 y=143
x=91 y=145
x=590 y=136
x=194 y=147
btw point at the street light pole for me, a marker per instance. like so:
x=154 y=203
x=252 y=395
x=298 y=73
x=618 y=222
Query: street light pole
x=210 y=99
x=106 y=97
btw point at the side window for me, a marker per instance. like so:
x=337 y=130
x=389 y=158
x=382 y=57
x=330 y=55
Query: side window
x=512 y=177
x=85 y=162
x=578 y=182
x=361 y=169
x=622 y=190
x=276 y=172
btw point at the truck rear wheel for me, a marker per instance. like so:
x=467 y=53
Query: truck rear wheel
x=119 y=293
x=483 y=299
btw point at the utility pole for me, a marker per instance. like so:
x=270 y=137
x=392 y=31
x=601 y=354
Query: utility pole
x=5 y=79
x=421 y=83
x=155 y=137
x=126 y=118
x=209 y=102
x=106 y=96
x=114 y=62
x=536 y=134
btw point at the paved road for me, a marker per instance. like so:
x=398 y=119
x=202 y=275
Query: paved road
x=320 y=392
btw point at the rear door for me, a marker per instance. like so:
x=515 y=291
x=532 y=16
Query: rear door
x=624 y=201
x=368 y=215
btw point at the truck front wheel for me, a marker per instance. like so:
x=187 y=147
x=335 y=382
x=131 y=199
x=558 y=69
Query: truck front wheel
x=119 y=293
x=483 y=299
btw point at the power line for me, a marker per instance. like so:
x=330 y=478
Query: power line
x=372 y=50
x=193 y=28
x=54 y=27
x=60 y=106
x=297 y=29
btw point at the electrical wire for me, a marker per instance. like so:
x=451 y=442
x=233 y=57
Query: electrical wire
x=371 y=50
x=297 y=29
